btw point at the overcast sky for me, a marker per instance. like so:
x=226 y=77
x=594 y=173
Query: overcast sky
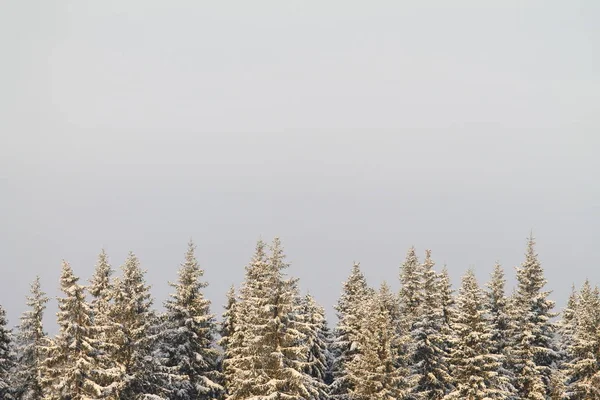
x=352 y=130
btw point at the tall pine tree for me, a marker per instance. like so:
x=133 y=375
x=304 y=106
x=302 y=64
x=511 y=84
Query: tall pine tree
x=374 y=372
x=31 y=341
x=429 y=369
x=273 y=352
x=187 y=337
x=6 y=357
x=318 y=342
x=70 y=360
x=226 y=332
x=583 y=370
x=133 y=339
x=474 y=365
x=533 y=353
x=350 y=312
x=104 y=327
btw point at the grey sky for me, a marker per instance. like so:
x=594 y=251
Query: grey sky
x=350 y=129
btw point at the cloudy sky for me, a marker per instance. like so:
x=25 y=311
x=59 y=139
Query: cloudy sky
x=352 y=130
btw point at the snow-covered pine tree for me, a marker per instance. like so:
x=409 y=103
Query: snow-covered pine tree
x=448 y=309
x=474 y=365
x=350 y=312
x=273 y=351
x=239 y=358
x=70 y=360
x=318 y=341
x=533 y=354
x=401 y=349
x=501 y=323
x=106 y=370
x=31 y=341
x=133 y=339
x=583 y=370
x=567 y=325
x=374 y=372
x=187 y=337
x=229 y=321
x=6 y=358
x=411 y=275
x=429 y=362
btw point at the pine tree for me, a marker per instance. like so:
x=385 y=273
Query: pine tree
x=239 y=359
x=187 y=337
x=31 y=341
x=533 y=352
x=104 y=328
x=583 y=370
x=269 y=362
x=429 y=374
x=6 y=357
x=374 y=372
x=568 y=324
x=134 y=338
x=498 y=308
x=228 y=320
x=410 y=292
x=228 y=324
x=350 y=312
x=317 y=339
x=70 y=359
x=448 y=309
x=474 y=365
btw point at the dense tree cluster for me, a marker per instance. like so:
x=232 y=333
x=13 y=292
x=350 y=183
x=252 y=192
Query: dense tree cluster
x=273 y=342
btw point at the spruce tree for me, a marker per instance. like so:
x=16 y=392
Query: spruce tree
x=533 y=352
x=6 y=357
x=318 y=341
x=70 y=360
x=499 y=311
x=187 y=337
x=429 y=361
x=583 y=370
x=133 y=340
x=411 y=276
x=448 y=309
x=31 y=342
x=374 y=372
x=101 y=288
x=228 y=325
x=350 y=312
x=474 y=365
x=273 y=353
x=239 y=359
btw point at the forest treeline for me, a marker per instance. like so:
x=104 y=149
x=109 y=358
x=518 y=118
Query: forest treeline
x=426 y=342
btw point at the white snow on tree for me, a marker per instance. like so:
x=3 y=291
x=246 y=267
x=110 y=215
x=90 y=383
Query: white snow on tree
x=448 y=307
x=474 y=365
x=226 y=331
x=374 y=371
x=533 y=351
x=106 y=370
x=186 y=337
x=411 y=275
x=6 y=357
x=31 y=342
x=430 y=376
x=499 y=311
x=270 y=351
x=70 y=359
x=583 y=369
x=350 y=312
x=133 y=314
x=318 y=342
